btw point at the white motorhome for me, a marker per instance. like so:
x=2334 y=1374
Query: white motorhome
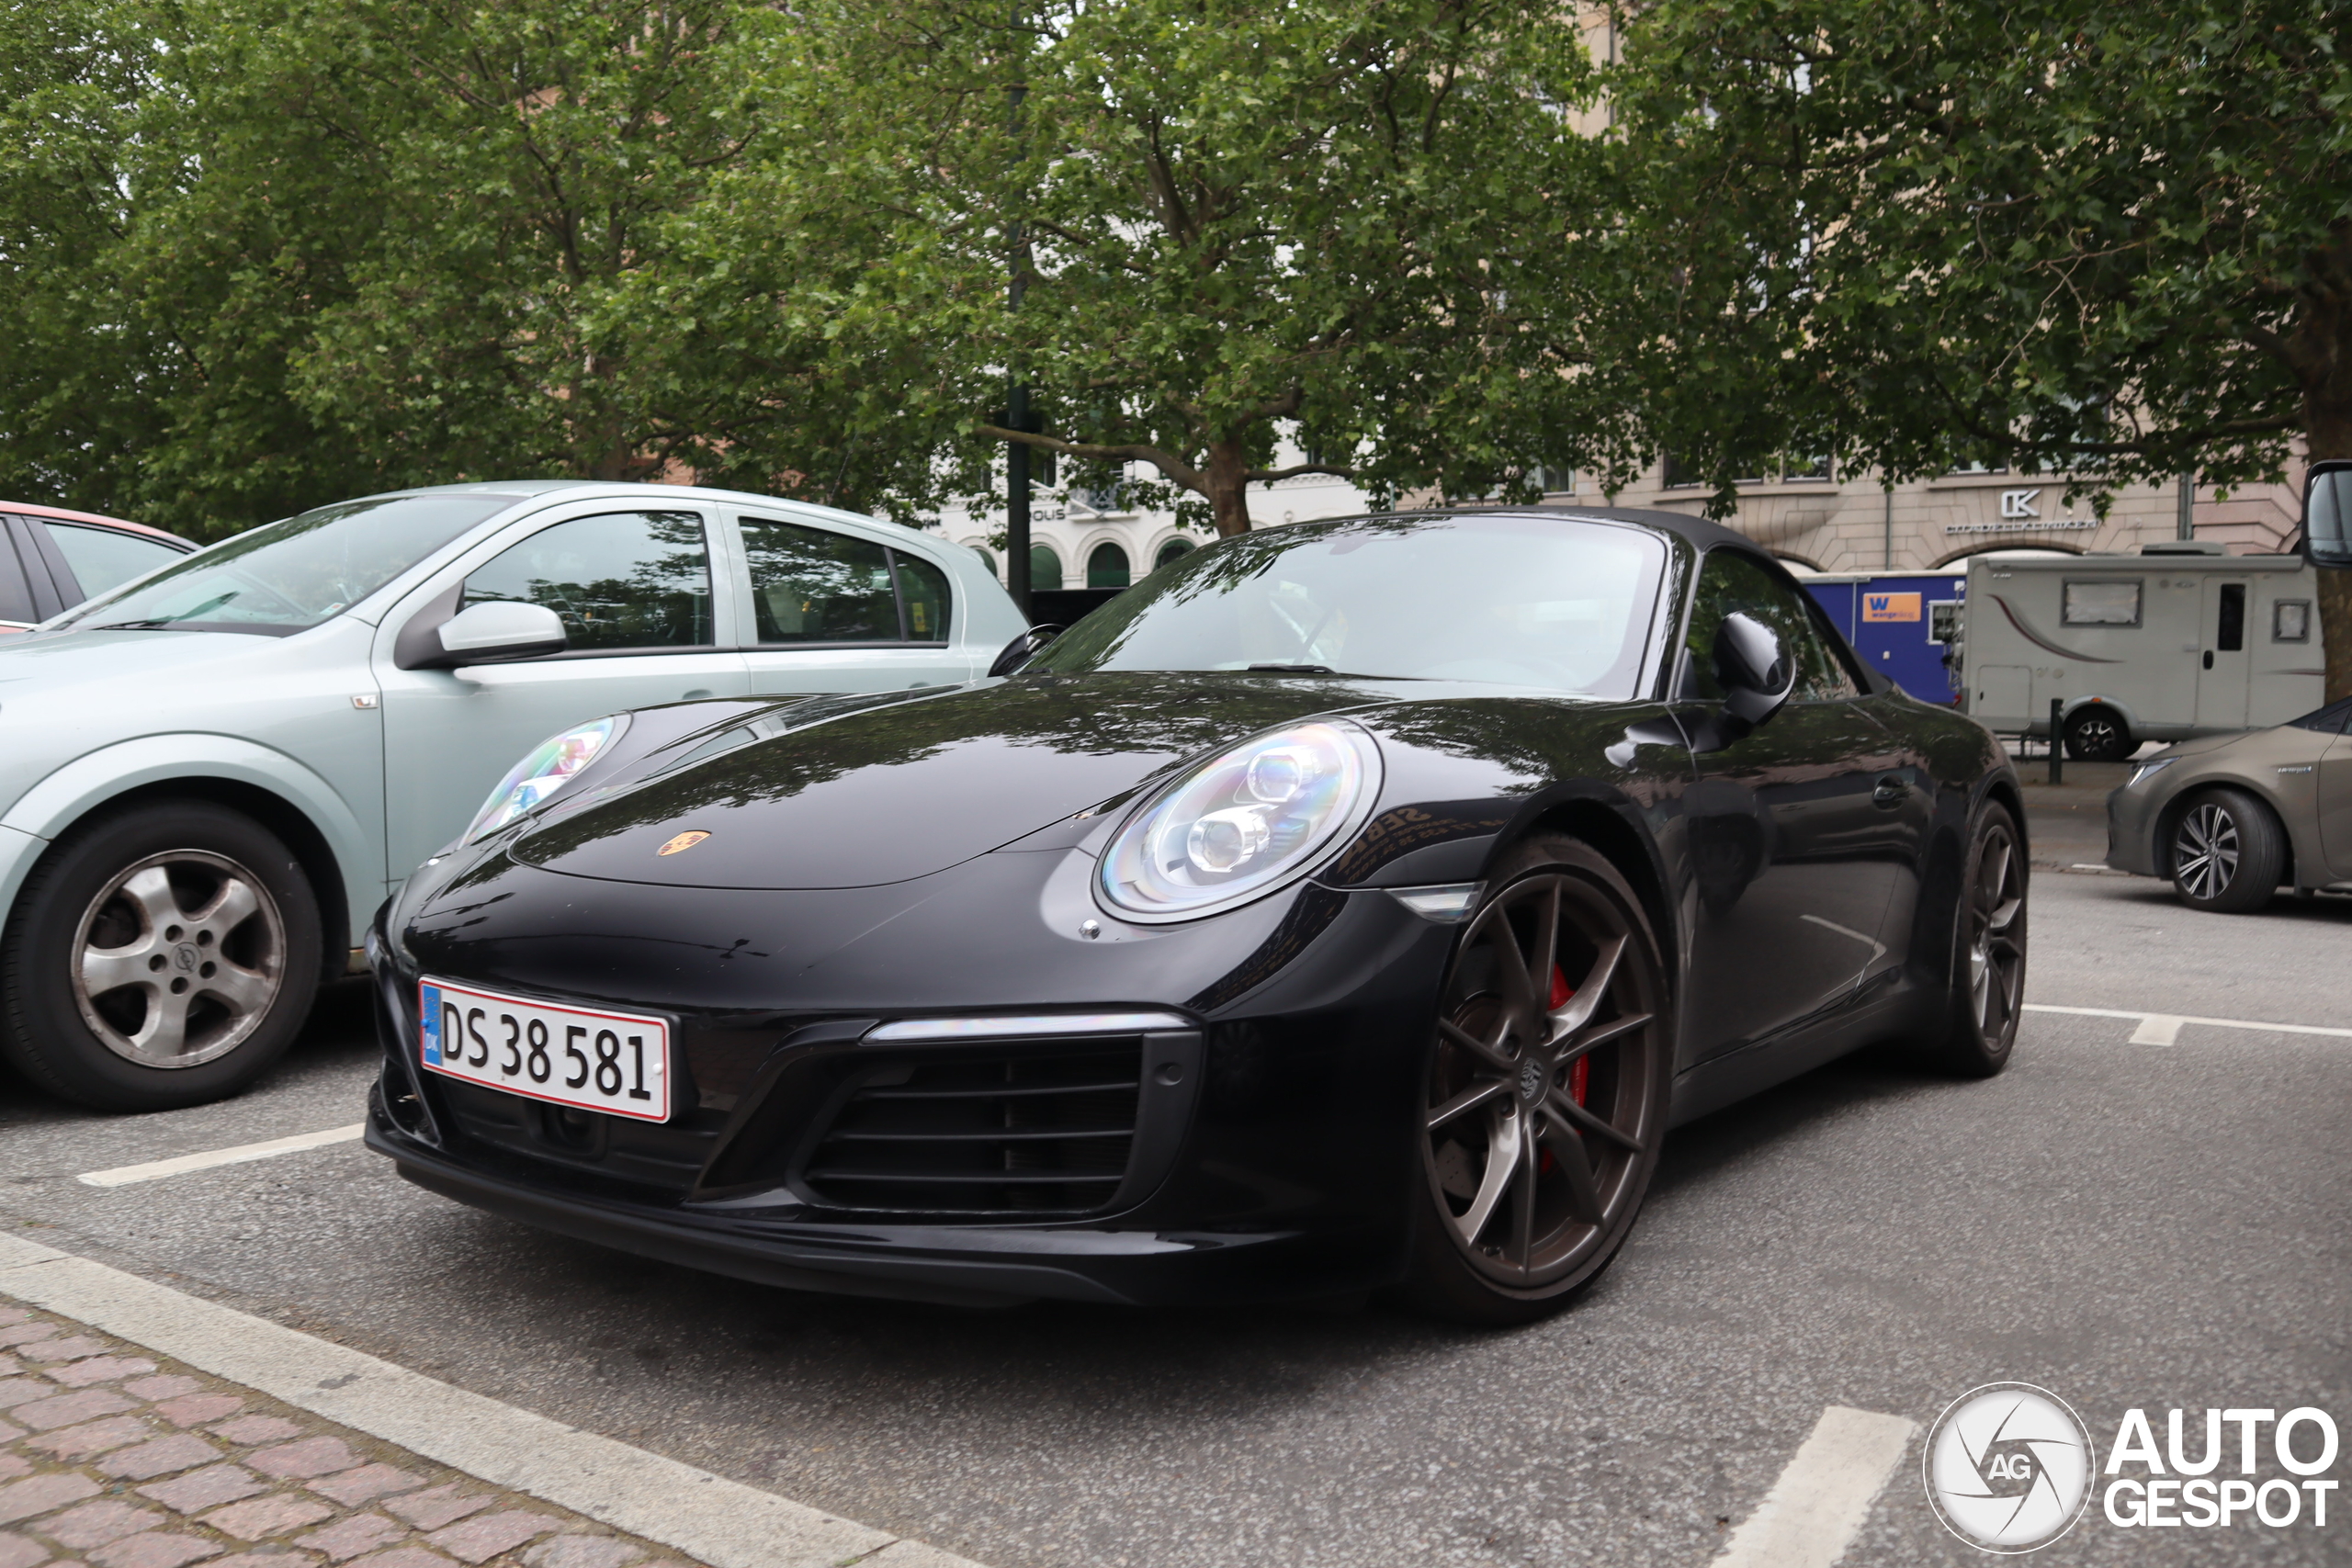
x=2180 y=639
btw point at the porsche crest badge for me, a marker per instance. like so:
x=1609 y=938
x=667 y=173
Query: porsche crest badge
x=682 y=842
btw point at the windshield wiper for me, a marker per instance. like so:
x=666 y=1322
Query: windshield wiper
x=1294 y=668
x=158 y=624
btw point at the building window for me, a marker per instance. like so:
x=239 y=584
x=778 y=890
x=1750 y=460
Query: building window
x=1676 y=475
x=1107 y=567
x=1555 y=480
x=1806 y=468
x=1174 y=549
x=1045 y=567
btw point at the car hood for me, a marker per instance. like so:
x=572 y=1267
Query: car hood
x=902 y=787
x=60 y=658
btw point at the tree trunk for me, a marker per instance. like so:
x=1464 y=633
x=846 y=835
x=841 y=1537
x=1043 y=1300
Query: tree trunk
x=2325 y=309
x=1229 y=481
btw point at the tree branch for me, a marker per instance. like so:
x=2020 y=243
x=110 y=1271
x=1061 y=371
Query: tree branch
x=1160 y=458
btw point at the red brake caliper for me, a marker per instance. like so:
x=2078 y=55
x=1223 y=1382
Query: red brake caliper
x=1580 y=1070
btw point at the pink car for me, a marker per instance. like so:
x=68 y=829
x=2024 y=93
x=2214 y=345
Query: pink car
x=51 y=559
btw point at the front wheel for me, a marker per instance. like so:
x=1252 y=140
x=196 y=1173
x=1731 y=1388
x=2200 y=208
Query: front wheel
x=2228 y=852
x=1988 y=957
x=1545 y=1097
x=159 y=957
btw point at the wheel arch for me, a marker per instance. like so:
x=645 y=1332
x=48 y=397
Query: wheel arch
x=325 y=836
x=1626 y=847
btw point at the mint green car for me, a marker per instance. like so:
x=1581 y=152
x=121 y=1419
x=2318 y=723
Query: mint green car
x=211 y=776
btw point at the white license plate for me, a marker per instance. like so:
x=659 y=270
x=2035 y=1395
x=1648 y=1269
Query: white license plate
x=615 y=1062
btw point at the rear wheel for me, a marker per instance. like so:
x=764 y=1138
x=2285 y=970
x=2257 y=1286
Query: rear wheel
x=2228 y=852
x=159 y=957
x=2098 y=734
x=1989 y=944
x=1545 y=1099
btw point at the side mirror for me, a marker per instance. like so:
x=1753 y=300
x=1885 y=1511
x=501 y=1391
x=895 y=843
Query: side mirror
x=1022 y=648
x=493 y=631
x=2327 y=512
x=1754 y=671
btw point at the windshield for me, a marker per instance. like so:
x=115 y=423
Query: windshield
x=289 y=576
x=1560 y=603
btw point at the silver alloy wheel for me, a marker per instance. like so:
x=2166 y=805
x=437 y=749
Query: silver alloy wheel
x=1995 y=957
x=178 y=958
x=2205 y=850
x=1529 y=1175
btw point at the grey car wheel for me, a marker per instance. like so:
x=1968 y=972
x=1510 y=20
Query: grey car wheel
x=2228 y=852
x=178 y=959
x=161 y=955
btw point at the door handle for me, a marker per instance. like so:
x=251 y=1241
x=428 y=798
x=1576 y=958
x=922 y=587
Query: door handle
x=1889 y=791
x=2209 y=659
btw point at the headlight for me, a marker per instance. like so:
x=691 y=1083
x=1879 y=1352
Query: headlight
x=1241 y=825
x=2149 y=770
x=550 y=765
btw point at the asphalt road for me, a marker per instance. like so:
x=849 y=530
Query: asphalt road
x=2128 y=1225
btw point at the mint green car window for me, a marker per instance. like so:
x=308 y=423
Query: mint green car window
x=618 y=580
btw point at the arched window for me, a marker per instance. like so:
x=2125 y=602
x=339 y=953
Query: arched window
x=1045 y=567
x=1107 y=567
x=986 y=558
x=1173 y=550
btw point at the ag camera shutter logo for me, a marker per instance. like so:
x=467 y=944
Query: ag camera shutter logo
x=2007 y=1467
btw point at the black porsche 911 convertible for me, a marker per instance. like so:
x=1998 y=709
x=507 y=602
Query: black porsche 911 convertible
x=1350 y=906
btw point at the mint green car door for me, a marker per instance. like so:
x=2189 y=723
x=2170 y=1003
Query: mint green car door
x=636 y=595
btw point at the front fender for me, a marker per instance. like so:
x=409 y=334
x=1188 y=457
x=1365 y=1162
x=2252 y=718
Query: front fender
x=89 y=781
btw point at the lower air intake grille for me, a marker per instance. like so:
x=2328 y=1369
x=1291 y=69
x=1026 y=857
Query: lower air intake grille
x=1026 y=1135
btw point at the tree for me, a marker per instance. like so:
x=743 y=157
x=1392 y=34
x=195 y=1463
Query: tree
x=1345 y=215
x=2113 y=242
x=276 y=251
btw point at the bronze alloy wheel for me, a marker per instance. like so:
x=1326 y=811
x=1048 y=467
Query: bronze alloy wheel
x=1996 y=927
x=1544 y=1103
x=177 y=959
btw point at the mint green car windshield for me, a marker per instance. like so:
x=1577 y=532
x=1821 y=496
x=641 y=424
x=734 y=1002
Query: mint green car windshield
x=290 y=575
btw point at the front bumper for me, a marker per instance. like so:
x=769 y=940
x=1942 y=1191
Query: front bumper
x=1275 y=1164
x=2131 y=816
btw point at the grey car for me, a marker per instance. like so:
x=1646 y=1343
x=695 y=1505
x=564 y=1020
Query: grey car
x=210 y=777
x=2231 y=819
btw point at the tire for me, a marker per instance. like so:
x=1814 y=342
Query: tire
x=2228 y=852
x=1987 y=991
x=158 y=957
x=2096 y=733
x=1533 y=1171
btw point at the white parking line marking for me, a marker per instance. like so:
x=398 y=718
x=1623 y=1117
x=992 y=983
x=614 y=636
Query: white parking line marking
x=124 y=1175
x=709 y=1517
x=2156 y=1029
x=1822 y=1500
x=2149 y=1020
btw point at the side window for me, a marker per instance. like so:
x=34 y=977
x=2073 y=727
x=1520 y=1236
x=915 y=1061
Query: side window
x=922 y=588
x=102 y=558
x=619 y=578
x=1730 y=582
x=814 y=585
x=15 y=593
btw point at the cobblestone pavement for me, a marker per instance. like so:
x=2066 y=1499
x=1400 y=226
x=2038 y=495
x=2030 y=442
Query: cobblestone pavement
x=109 y=1459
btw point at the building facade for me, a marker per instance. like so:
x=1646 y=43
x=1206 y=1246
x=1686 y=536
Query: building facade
x=1825 y=522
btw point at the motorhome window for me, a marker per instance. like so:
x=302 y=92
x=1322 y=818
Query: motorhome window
x=2101 y=604
x=2229 y=633
x=1943 y=621
x=2291 y=621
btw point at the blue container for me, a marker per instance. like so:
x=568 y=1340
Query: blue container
x=1901 y=623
